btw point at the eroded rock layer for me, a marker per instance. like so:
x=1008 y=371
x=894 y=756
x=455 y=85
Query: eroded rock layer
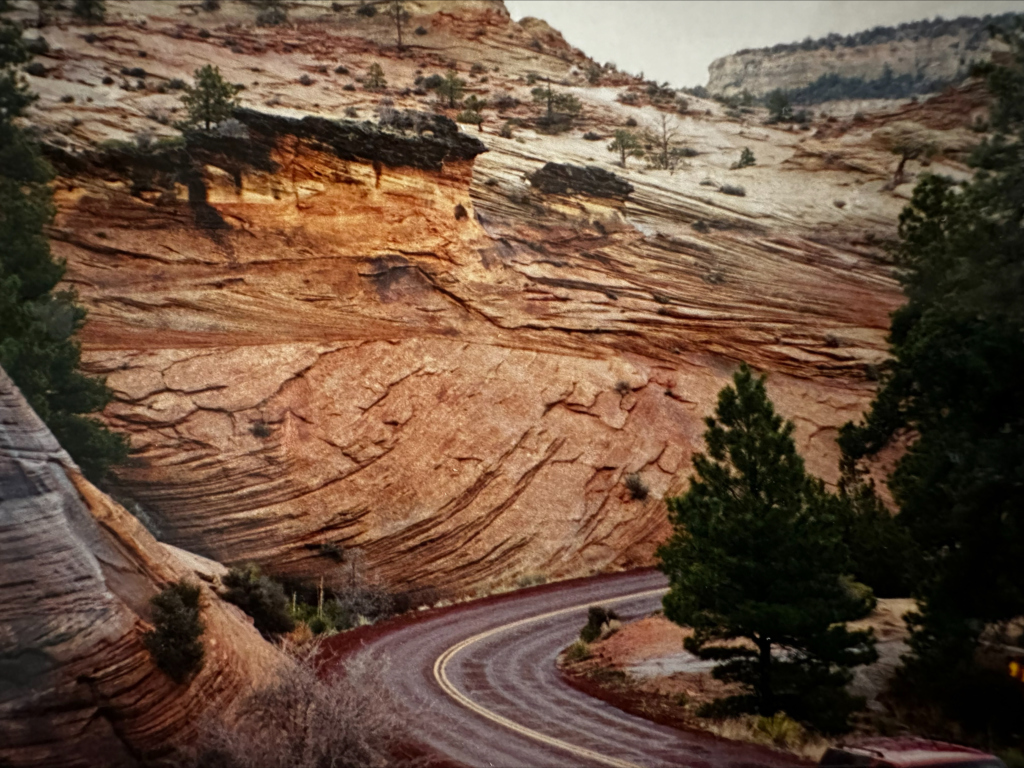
x=316 y=349
x=77 y=686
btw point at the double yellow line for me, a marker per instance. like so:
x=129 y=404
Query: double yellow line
x=441 y=675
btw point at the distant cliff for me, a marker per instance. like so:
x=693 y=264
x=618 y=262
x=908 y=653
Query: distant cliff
x=884 y=62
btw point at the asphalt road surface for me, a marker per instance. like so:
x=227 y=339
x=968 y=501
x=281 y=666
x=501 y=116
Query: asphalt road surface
x=481 y=687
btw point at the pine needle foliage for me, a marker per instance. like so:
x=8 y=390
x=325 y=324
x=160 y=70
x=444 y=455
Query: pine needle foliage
x=757 y=556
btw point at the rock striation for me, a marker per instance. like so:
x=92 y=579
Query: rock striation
x=77 y=686
x=333 y=338
x=928 y=55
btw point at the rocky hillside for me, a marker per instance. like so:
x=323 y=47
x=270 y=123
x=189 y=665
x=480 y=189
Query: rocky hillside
x=884 y=62
x=77 y=685
x=328 y=335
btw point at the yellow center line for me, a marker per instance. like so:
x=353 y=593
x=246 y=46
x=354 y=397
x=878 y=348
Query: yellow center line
x=441 y=675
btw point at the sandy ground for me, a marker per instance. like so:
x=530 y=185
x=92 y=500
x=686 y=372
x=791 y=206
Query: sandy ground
x=643 y=668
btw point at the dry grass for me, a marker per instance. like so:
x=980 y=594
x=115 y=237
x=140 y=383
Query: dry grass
x=309 y=718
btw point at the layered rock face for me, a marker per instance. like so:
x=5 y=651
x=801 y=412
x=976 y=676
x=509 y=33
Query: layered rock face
x=944 y=57
x=77 y=686
x=319 y=346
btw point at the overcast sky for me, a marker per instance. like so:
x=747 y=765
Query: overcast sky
x=675 y=40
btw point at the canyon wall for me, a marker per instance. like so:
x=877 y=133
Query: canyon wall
x=932 y=52
x=334 y=337
x=77 y=685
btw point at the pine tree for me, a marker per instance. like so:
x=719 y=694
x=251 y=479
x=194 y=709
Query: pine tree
x=779 y=108
x=211 y=100
x=38 y=348
x=626 y=145
x=396 y=10
x=451 y=88
x=375 y=80
x=757 y=555
x=174 y=640
x=954 y=382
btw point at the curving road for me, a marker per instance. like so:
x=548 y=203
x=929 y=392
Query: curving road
x=481 y=686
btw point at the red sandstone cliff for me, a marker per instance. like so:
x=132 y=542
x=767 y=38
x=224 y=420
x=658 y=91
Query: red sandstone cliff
x=435 y=362
x=77 y=686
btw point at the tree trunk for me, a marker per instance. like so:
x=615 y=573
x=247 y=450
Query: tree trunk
x=897 y=178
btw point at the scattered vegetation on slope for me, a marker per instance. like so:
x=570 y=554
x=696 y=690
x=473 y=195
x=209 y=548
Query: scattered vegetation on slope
x=39 y=324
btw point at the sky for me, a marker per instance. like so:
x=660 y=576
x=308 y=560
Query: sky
x=675 y=40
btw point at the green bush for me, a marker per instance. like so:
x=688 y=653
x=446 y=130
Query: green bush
x=597 y=617
x=746 y=159
x=469 y=116
x=174 y=642
x=733 y=189
x=259 y=596
x=375 y=80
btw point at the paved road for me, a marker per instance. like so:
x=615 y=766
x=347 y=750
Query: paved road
x=482 y=689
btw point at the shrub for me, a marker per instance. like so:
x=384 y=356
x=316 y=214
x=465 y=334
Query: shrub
x=259 y=596
x=367 y=11
x=174 y=641
x=89 y=11
x=309 y=718
x=638 y=490
x=351 y=113
x=504 y=101
x=261 y=429
x=779 y=729
x=271 y=16
x=432 y=82
x=530 y=579
x=597 y=618
x=420 y=31
x=470 y=116
x=733 y=189
x=375 y=80
x=631 y=122
x=746 y=159
x=306 y=80
x=578 y=651
x=506 y=130
x=591 y=136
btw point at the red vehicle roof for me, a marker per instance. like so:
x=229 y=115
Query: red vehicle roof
x=909 y=752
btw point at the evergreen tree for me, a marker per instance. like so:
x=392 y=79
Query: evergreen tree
x=396 y=10
x=38 y=325
x=779 y=108
x=451 y=88
x=174 y=640
x=746 y=159
x=211 y=100
x=560 y=108
x=954 y=382
x=375 y=80
x=757 y=555
x=626 y=145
